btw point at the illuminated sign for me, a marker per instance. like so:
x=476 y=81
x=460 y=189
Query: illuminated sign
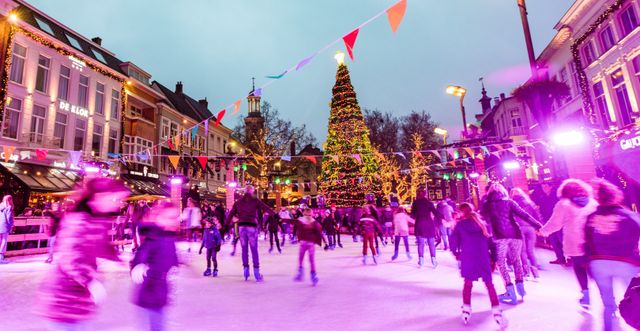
x=631 y=143
x=63 y=165
x=63 y=105
x=76 y=63
x=13 y=157
x=145 y=173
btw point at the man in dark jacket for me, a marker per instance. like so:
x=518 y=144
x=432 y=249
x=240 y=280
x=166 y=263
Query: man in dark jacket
x=423 y=211
x=546 y=198
x=249 y=211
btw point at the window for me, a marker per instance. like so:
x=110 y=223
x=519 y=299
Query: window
x=115 y=104
x=10 y=124
x=74 y=41
x=37 y=124
x=636 y=66
x=601 y=105
x=99 y=55
x=42 y=76
x=96 y=142
x=99 y=104
x=83 y=91
x=44 y=26
x=63 y=83
x=574 y=76
x=78 y=139
x=134 y=145
x=307 y=185
x=607 y=40
x=624 y=104
x=60 y=129
x=135 y=111
x=589 y=53
x=18 y=58
x=113 y=141
x=628 y=20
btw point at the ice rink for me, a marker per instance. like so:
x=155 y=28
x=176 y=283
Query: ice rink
x=349 y=296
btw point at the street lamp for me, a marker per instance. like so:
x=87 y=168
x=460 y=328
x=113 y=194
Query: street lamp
x=568 y=138
x=460 y=92
x=443 y=133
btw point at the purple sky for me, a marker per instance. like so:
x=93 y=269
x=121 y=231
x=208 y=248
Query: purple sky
x=215 y=47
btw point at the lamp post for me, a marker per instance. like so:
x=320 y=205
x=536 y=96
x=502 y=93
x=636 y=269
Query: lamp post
x=460 y=92
x=527 y=38
x=443 y=133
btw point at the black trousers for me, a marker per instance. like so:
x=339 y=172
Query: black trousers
x=273 y=235
x=212 y=255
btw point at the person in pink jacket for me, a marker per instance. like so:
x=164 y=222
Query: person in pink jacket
x=401 y=222
x=570 y=214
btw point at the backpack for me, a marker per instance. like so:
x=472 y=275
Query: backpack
x=630 y=305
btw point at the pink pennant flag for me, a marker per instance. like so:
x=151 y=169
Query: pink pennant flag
x=220 y=116
x=312 y=159
x=170 y=143
x=395 y=14
x=357 y=157
x=350 y=41
x=74 y=157
x=203 y=161
x=236 y=106
x=41 y=154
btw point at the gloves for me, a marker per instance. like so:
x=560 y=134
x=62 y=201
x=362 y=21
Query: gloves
x=97 y=291
x=138 y=273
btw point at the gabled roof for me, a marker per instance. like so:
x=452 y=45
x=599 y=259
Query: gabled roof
x=185 y=104
x=75 y=41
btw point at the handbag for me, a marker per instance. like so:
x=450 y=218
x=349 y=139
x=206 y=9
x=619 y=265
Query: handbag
x=630 y=306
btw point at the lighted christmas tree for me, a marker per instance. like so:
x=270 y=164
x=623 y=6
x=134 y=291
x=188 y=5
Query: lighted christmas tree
x=349 y=169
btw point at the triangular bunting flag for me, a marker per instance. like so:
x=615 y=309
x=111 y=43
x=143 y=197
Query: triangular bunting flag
x=8 y=151
x=452 y=163
x=203 y=161
x=350 y=41
x=485 y=150
x=41 y=154
x=170 y=143
x=312 y=159
x=278 y=76
x=480 y=156
x=24 y=155
x=304 y=62
x=286 y=158
x=357 y=157
x=206 y=128
x=469 y=151
x=143 y=156
x=74 y=157
x=395 y=14
x=194 y=132
x=219 y=117
x=257 y=92
x=401 y=155
x=174 y=159
x=236 y=106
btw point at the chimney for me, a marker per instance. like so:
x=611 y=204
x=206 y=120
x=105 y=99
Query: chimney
x=97 y=40
x=292 y=148
x=204 y=103
x=496 y=101
x=179 y=88
x=502 y=96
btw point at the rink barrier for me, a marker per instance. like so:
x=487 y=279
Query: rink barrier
x=33 y=229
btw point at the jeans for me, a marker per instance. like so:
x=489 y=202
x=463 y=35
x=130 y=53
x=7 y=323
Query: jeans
x=445 y=232
x=273 y=235
x=4 y=238
x=509 y=248
x=397 y=244
x=155 y=318
x=528 y=255
x=336 y=238
x=330 y=240
x=556 y=242
x=604 y=272
x=249 y=240
x=307 y=246
x=580 y=268
x=212 y=256
x=431 y=241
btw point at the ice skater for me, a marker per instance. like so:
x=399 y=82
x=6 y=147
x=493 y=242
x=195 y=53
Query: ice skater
x=471 y=245
x=369 y=228
x=212 y=241
x=309 y=233
x=274 y=225
x=424 y=212
x=401 y=231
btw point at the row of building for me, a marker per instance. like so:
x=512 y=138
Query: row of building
x=65 y=92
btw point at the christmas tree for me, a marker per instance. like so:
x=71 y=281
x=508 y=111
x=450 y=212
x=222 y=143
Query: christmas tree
x=349 y=169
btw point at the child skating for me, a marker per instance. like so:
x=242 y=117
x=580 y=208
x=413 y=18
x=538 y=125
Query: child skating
x=401 y=222
x=470 y=243
x=309 y=233
x=369 y=228
x=211 y=240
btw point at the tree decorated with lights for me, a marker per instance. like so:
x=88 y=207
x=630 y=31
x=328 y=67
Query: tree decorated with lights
x=349 y=169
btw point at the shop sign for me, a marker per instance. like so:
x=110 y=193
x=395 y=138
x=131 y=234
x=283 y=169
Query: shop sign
x=63 y=165
x=76 y=63
x=631 y=143
x=12 y=157
x=63 y=105
x=145 y=173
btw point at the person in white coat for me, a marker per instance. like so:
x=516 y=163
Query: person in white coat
x=192 y=217
x=401 y=222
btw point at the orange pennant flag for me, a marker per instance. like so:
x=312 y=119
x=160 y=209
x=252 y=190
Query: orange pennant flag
x=174 y=159
x=236 y=107
x=395 y=14
x=8 y=151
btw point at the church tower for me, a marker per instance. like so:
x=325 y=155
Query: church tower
x=254 y=122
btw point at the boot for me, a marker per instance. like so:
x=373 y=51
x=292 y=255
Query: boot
x=314 y=278
x=207 y=272
x=257 y=275
x=374 y=260
x=466 y=314
x=510 y=296
x=420 y=262
x=299 y=276
x=270 y=250
x=246 y=273
x=500 y=320
x=585 y=302
x=215 y=273
x=434 y=262
x=520 y=289
x=395 y=256
x=364 y=259
x=535 y=273
x=409 y=256
x=340 y=245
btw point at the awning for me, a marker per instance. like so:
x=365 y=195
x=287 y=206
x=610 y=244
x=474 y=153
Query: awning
x=42 y=178
x=140 y=186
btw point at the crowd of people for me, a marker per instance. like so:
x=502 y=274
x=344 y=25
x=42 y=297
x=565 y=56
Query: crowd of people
x=599 y=239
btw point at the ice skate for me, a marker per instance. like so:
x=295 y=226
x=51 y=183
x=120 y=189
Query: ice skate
x=215 y=273
x=314 y=278
x=257 y=275
x=394 y=257
x=466 y=314
x=521 y=291
x=270 y=250
x=585 y=302
x=246 y=273
x=509 y=297
x=409 y=256
x=207 y=272
x=364 y=260
x=420 y=262
x=374 y=260
x=299 y=276
x=500 y=320
x=434 y=262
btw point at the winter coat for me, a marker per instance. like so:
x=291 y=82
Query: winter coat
x=368 y=226
x=138 y=214
x=329 y=225
x=501 y=213
x=529 y=208
x=387 y=217
x=401 y=224
x=158 y=252
x=192 y=217
x=308 y=229
x=211 y=238
x=273 y=223
x=570 y=215
x=6 y=218
x=612 y=233
x=82 y=239
x=218 y=212
x=472 y=249
x=249 y=210
x=423 y=211
x=447 y=214
x=547 y=203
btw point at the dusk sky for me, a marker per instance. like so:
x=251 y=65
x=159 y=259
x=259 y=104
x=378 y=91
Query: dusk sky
x=215 y=47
